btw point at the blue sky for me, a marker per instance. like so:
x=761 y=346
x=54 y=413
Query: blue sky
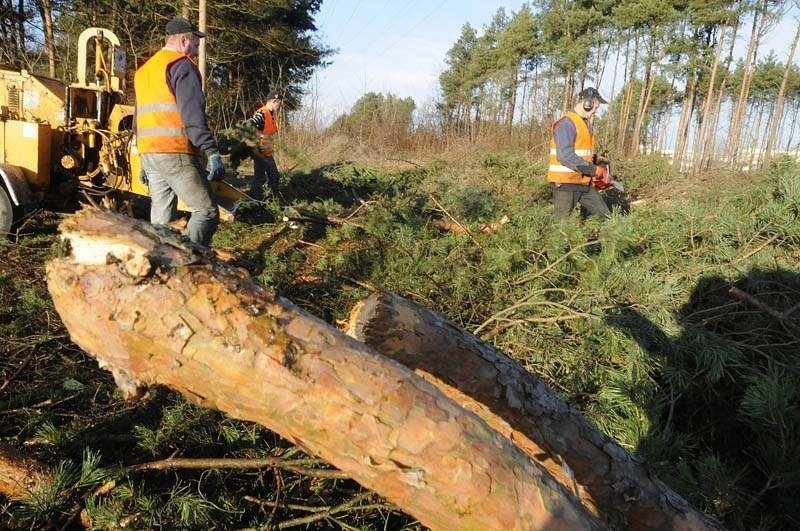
x=399 y=46
x=395 y=46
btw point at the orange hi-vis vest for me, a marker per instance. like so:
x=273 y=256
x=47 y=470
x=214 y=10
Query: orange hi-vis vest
x=584 y=148
x=266 y=137
x=159 y=126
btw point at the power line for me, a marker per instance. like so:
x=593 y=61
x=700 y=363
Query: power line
x=415 y=26
x=344 y=27
x=364 y=26
x=328 y=14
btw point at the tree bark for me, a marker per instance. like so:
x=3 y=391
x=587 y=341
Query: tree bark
x=46 y=14
x=644 y=96
x=734 y=134
x=704 y=130
x=776 y=118
x=685 y=124
x=626 y=107
x=710 y=147
x=156 y=312
x=511 y=104
x=623 y=489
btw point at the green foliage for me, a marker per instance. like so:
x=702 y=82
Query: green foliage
x=253 y=47
x=383 y=120
x=67 y=479
x=637 y=328
x=180 y=422
x=631 y=320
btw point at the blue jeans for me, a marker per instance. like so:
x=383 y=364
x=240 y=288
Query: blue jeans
x=179 y=175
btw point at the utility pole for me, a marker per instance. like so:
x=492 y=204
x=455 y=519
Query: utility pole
x=202 y=50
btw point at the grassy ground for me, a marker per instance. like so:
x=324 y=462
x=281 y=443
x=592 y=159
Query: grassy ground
x=631 y=320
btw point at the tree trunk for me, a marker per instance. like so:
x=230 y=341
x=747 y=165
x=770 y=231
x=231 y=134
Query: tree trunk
x=644 y=96
x=46 y=14
x=710 y=146
x=512 y=97
x=21 y=20
x=607 y=131
x=734 y=134
x=569 y=82
x=755 y=132
x=684 y=124
x=626 y=107
x=156 y=312
x=704 y=130
x=792 y=128
x=459 y=362
x=776 y=118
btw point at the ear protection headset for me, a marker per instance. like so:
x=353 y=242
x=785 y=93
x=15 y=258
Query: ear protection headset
x=588 y=104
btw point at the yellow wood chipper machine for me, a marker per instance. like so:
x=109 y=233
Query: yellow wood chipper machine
x=58 y=141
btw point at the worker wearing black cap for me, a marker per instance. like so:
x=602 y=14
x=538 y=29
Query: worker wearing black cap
x=572 y=170
x=172 y=133
x=264 y=168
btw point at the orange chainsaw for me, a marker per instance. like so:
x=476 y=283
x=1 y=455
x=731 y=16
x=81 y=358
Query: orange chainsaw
x=607 y=181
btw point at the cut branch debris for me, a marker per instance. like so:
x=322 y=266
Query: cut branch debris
x=453 y=226
x=294 y=465
x=767 y=309
x=460 y=364
x=158 y=312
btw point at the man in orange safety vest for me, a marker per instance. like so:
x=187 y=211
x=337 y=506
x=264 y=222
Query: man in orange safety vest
x=172 y=133
x=573 y=166
x=264 y=168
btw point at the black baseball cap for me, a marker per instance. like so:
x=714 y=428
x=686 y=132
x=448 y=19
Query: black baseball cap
x=273 y=95
x=179 y=25
x=591 y=93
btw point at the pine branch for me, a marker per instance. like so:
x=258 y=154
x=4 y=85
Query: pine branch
x=293 y=465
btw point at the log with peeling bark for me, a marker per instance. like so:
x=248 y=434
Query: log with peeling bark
x=622 y=489
x=155 y=311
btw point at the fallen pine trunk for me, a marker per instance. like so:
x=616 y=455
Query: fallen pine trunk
x=155 y=311
x=623 y=490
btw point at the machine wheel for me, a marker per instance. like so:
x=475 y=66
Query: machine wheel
x=6 y=213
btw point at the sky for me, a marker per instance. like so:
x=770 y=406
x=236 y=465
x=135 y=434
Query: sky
x=396 y=46
x=399 y=46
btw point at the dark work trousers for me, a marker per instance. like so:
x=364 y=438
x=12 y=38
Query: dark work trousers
x=264 y=171
x=566 y=196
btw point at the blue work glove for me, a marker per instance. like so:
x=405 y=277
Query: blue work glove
x=143 y=177
x=216 y=169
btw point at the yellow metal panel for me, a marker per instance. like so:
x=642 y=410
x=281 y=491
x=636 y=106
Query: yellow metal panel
x=27 y=145
x=2 y=142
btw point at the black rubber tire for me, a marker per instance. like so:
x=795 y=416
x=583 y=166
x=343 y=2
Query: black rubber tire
x=6 y=213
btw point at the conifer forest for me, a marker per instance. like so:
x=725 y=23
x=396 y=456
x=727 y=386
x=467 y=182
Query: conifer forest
x=666 y=335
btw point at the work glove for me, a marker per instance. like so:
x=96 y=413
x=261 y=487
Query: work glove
x=143 y=177
x=602 y=179
x=216 y=169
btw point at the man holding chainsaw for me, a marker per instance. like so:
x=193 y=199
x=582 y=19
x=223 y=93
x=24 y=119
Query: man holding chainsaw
x=575 y=173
